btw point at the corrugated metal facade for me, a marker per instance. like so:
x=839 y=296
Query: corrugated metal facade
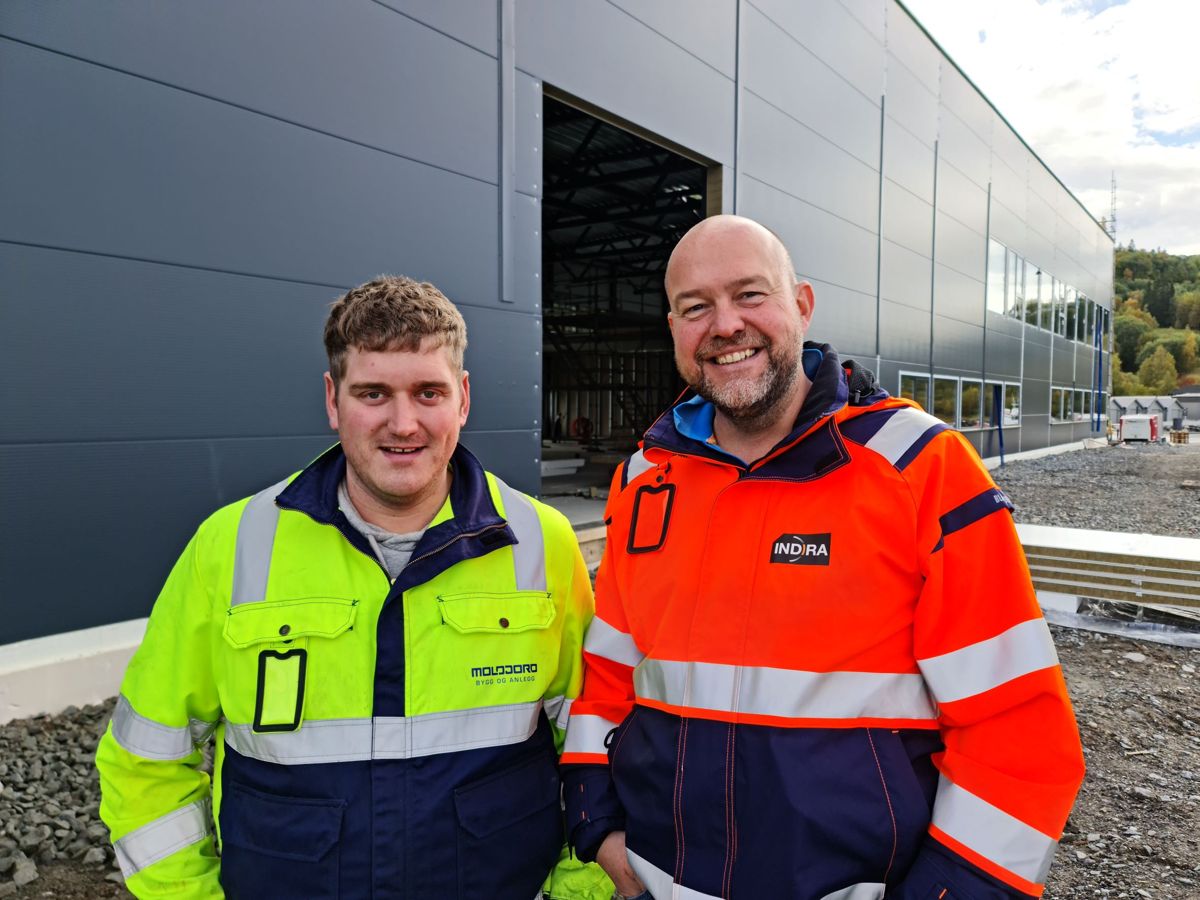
x=185 y=187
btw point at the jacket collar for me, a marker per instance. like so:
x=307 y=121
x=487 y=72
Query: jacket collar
x=469 y=527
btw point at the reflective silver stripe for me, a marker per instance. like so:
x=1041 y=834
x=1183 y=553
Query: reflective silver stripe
x=660 y=884
x=864 y=890
x=157 y=840
x=557 y=710
x=611 y=643
x=255 y=541
x=901 y=432
x=202 y=732
x=586 y=734
x=388 y=737
x=992 y=833
x=980 y=667
x=529 y=553
x=784 y=692
x=637 y=465
x=149 y=739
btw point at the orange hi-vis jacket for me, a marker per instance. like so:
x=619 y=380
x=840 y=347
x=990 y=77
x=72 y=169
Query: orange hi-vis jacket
x=824 y=674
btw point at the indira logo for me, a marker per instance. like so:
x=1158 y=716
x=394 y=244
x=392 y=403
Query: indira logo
x=801 y=549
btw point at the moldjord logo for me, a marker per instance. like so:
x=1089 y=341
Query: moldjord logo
x=514 y=669
x=801 y=549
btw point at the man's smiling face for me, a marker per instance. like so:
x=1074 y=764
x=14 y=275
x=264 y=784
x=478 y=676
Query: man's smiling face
x=737 y=318
x=398 y=414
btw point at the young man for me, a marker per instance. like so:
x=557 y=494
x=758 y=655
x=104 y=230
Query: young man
x=381 y=645
x=818 y=668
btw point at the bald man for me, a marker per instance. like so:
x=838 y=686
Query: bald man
x=818 y=668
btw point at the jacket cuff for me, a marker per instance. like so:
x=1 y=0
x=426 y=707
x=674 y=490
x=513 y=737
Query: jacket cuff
x=592 y=808
x=939 y=868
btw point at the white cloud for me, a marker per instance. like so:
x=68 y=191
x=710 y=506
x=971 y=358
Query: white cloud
x=1094 y=86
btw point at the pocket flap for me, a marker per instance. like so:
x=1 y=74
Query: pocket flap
x=296 y=828
x=259 y=623
x=503 y=799
x=501 y=612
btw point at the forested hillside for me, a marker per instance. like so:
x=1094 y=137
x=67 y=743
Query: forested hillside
x=1156 y=324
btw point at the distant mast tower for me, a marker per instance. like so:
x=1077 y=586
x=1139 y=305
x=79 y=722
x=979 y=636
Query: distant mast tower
x=1112 y=209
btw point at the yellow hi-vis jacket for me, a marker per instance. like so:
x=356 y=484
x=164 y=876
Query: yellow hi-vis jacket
x=373 y=738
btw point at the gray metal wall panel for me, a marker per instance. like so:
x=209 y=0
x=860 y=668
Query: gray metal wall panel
x=822 y=245
x=831 y=32
x=705 y=28
x=958 y=296
x=961 y=248
x=959 y=145
x=789 y=77
x=911 y=102
x=1008 y=188
x=907 y=161
x=956 y=346
x=907 y=219
x=527 y=153
x=966 y=103
x=904 y=336
x=148 y=351
x=527 y=256
x=792 y=157
x=906 y=277
x=1063 y=363
x=169 y=176
x=872 y=14
x=845 y=319
x=601 y=53
x=909 y=45
x=962 y=198
x=503 y=352
x=1003 y=360
x=1037 y=360
x=472 y=21
x=513 y=455
x=334 y=67
x=1006 y=226
x=142 y=501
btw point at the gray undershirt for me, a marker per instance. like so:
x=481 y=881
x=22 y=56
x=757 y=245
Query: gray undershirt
x=392 y=550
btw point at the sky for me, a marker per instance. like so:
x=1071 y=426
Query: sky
x=1095 y=87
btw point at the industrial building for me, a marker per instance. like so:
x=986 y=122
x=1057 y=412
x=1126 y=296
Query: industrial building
x=184 y=188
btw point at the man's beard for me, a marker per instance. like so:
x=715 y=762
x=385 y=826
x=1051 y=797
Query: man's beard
x=751 y=404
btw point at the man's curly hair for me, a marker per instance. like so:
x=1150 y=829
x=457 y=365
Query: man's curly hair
x=393 y=312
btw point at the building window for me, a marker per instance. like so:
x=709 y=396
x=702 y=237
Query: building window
x=1046 y=301
x=945 y=400
x=1059 y=405
x=1012 y=272
x=995 y=277
x=1031 y=294
x=1060 y=309
x=1012 y=404
x=972 y=404
x=915 y=388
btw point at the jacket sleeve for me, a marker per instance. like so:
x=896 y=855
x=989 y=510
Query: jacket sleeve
x=1012 y=762
x=609 y=657
x=155 y=798
x=577 y=607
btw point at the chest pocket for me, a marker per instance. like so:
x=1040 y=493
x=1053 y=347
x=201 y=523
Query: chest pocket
x=278 y=635
x=508 y=612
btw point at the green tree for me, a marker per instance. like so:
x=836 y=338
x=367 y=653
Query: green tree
x=1126 y=385
x=1128 y=332
x=1160 y=300
x=1187 y=310
x=1158 y=373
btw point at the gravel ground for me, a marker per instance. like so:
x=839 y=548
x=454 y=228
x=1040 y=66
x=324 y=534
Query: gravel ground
x=1134 y=832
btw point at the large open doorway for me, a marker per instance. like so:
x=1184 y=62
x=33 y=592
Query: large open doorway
x=614 y=203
